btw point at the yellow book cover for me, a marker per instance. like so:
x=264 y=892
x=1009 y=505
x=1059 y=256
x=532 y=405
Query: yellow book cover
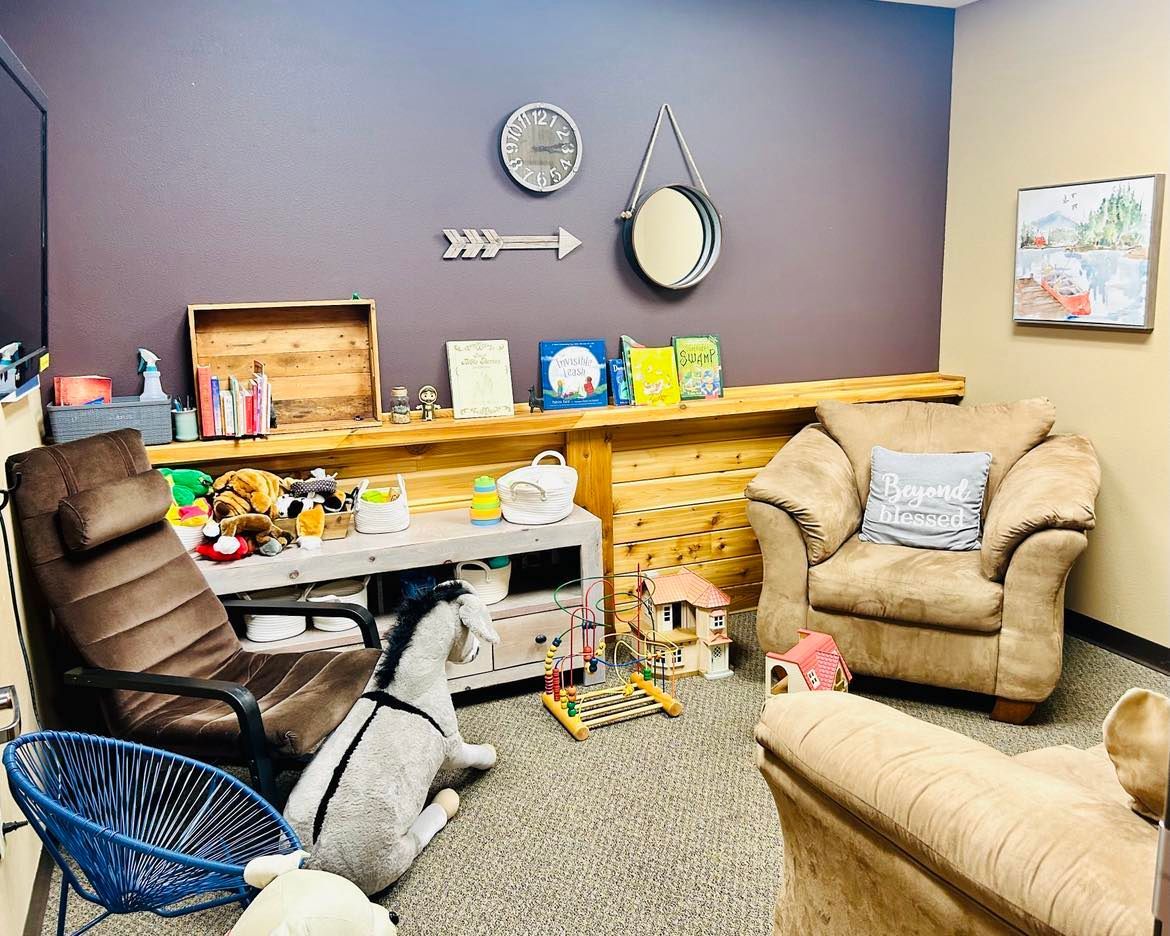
x=653 y=376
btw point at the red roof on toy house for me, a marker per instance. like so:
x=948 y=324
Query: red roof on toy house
x=690 y=587
x=816 y=651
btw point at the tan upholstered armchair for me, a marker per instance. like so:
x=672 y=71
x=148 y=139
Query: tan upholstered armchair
x=895 y=826
x=989 y=620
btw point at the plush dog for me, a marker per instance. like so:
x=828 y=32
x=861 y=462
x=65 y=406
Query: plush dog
x=248 y=490
x=359 y=804
x=266 y=536
x=297 y=902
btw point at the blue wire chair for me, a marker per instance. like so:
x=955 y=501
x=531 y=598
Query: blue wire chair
x=143 y=828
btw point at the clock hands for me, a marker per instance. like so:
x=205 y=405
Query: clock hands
x=551 y=148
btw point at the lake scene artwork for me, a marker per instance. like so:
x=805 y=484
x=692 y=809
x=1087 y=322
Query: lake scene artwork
x=1086 y=253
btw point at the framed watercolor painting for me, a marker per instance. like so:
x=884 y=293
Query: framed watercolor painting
x=1086 y=253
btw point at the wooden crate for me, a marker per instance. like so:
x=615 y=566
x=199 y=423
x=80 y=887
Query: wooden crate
x=321 y=357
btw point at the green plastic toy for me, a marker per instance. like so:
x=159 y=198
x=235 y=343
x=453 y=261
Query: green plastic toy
x=187 y=484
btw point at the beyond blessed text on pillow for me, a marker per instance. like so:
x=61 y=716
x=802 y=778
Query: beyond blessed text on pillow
x=895 y=495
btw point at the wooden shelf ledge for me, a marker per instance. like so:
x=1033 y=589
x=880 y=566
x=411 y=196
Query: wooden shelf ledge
x=738 y=401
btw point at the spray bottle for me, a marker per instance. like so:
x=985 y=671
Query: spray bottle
x=8 y=355
x=151 y=381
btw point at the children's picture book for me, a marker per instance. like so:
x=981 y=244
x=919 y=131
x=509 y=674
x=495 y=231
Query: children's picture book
x=619 y=382
x=573 y=373
x=700 y=367
x=653 y=376
x=628 y=344
x=481 y=379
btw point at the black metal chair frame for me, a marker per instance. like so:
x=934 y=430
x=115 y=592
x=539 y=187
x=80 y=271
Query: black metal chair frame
x=262 y=763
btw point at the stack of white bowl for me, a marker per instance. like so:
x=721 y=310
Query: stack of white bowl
x=189 y=536
x=391 y=516
x=263 y=628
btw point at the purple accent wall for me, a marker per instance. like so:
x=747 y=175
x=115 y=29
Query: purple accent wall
x=227 y=150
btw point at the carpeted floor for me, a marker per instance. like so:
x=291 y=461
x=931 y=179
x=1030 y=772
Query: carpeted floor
x=655 y=826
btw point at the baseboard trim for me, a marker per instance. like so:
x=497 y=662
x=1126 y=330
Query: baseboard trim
x=1115 y=640
x=38 y=904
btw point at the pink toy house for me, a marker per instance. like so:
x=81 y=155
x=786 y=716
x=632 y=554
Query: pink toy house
x=813 y=665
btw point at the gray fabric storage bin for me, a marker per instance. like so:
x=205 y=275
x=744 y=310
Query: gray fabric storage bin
x=152 y=418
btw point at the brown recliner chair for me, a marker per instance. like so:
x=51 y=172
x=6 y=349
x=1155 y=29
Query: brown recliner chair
x=130 y=604
x=990 y=620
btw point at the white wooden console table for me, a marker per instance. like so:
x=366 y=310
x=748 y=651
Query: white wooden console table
x=526 y=621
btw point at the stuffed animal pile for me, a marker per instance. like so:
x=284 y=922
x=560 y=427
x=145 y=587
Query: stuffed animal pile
x=238 y=512
x=243 y=512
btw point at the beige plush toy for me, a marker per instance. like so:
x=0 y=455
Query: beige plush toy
x=310 y=527
x=248 y=490
x=296 y=902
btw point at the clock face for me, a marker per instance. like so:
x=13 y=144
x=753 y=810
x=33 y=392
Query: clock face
x=541 y=147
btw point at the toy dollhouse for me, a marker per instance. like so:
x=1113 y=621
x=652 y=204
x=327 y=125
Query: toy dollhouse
x=691 y=613
x=814 y=664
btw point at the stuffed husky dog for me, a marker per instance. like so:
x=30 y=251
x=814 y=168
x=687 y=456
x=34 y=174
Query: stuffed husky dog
x=358 y=806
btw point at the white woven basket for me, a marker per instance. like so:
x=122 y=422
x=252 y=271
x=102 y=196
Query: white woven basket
x=350 y=591
x=390 y=517
x=538 y=493
x=265 y=628
x=490 y=584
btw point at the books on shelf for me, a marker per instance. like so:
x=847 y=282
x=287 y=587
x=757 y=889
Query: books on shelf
x=573 y=373
x=231 y=408
x=481 y=379
x=700 y=367
x=80 y=391
x=653 y=376
x=619 y=382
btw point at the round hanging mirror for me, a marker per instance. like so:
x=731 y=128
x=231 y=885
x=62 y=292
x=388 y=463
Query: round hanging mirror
x=673 y=236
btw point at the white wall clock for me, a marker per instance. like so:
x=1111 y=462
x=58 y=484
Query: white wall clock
x=541 y=147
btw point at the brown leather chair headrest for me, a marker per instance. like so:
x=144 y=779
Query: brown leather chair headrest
x=99 y=515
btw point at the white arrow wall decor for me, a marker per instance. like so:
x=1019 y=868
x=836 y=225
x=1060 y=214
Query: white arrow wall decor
x=486 y=243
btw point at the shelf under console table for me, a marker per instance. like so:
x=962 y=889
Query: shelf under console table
x=667 y=482
x=527 y=621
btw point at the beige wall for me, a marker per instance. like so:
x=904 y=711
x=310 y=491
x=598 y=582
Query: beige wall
x=1050 y=91
x=20 y=429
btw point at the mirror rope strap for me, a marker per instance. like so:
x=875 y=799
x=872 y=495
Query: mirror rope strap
x=686 y=151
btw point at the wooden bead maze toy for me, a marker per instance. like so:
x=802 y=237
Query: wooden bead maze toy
x=634 y=650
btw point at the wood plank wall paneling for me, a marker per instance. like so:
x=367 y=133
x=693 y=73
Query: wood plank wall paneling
x=680 y=503
x=675 y=521
x=743 y=570
x=683 y=550
x=694 y=457
x=679 y=492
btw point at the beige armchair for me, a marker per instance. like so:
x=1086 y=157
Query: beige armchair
x=895 y=827
x=989 y=620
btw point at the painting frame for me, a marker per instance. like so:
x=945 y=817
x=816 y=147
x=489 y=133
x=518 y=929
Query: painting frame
x=1064 y=297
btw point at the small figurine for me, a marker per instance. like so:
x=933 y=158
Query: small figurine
x=534 y=402
x=428 y=399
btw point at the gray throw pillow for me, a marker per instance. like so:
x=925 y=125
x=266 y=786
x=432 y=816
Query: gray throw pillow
x=928 y=501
